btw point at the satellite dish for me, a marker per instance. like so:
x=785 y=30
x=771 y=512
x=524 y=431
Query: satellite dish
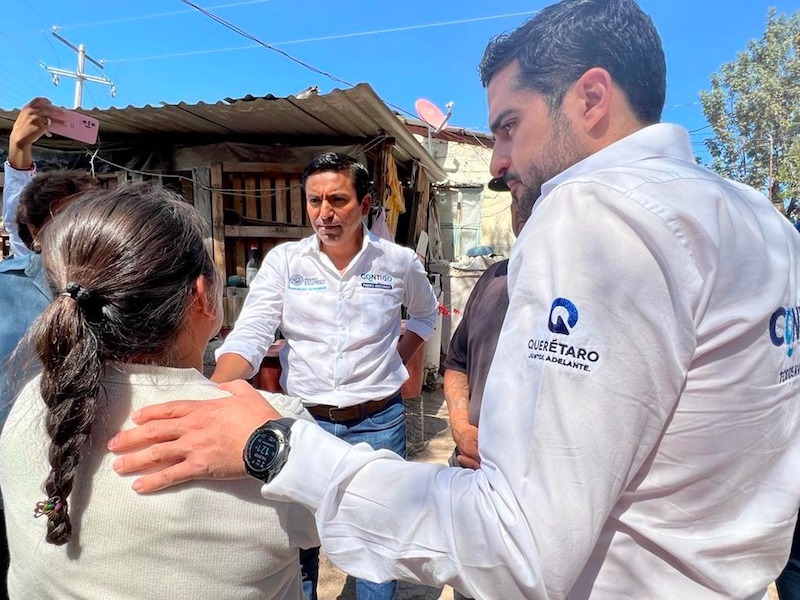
x=434 y=118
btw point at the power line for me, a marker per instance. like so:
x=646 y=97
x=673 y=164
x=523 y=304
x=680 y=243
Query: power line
x=157 y=15
x=25 y=50
x=252 y=38
x=12 y=85
x=683 y=105
x=319 y=39
x=183 y=54
x=405 y=28
x=19 y=81
x=41 y=16
x=13 y=96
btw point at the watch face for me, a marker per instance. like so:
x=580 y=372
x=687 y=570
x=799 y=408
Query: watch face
x=263 y=451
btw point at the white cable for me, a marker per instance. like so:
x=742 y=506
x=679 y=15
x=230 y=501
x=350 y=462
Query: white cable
x=318 y=39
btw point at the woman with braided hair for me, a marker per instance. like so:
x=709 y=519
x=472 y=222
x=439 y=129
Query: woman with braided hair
x=136 y=300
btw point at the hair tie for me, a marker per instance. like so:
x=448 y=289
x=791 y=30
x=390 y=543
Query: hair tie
x=77 y=292
x=50 y=507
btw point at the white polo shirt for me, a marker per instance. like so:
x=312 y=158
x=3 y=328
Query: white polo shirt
x=341 y=329
x=640 y=426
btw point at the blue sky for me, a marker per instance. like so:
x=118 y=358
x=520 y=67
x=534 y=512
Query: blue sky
x=405 y=50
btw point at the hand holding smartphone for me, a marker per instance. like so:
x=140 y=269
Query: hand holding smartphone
x=75 y=126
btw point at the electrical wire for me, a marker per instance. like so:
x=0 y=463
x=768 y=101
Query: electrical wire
x=12 y=87
x=157 y=15
x=252 y=38
x=93 y=154
x=25 y=50
x=227 y=191
x=41 y=16
x=318 y=39
x=19 y=81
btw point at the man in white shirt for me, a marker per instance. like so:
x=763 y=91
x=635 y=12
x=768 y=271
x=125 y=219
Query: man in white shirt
x=640 y=425
x=336 y=297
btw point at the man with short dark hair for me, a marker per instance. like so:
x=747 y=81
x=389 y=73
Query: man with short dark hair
x=640 y=426
x=336 y=297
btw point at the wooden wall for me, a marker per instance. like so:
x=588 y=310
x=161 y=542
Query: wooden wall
x=262 y=205
x=249 y=203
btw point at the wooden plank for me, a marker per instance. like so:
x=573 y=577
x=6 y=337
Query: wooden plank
x=187 y=189
x=268 y=231
x=237 y=196
x=201 y=180
x=259 y=167
x=267 y=200
x=251 y=201
x=217 y=223
x=280 y=200
x=423 y=189
x=295 y=201
x=240 y=255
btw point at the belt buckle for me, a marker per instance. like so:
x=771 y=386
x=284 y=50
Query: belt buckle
x=331 y=416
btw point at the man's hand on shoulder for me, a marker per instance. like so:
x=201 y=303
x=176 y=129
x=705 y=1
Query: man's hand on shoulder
x=185 y=440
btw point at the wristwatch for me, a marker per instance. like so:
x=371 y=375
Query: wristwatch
x=267 y=450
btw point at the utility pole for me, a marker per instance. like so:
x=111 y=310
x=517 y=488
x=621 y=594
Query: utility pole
x=79 y=74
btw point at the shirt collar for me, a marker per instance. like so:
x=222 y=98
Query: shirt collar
x=31 y=265
x=16 y=263
x=662 y=140
x=311 y=243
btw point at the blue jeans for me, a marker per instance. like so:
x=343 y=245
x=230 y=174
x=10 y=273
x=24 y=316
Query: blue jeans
x=385 y=429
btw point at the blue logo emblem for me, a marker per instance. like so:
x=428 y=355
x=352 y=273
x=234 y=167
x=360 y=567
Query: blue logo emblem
x=562 y=308
x=296 y=279
x=784 y=328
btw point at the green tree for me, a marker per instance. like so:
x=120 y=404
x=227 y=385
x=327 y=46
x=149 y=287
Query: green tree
x=754 y=109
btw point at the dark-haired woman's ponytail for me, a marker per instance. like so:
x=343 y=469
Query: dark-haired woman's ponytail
x=67 y=344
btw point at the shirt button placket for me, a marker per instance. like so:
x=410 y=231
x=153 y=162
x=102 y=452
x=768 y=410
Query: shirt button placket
x=341 y=311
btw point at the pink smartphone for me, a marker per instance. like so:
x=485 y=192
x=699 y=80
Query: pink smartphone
x=76 y=127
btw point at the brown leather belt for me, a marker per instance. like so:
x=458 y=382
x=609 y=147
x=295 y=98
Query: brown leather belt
x=351 y=413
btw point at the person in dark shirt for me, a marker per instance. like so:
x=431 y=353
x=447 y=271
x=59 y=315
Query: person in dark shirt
x=472 y=346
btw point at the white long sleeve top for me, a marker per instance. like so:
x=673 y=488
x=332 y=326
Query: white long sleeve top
x=640 y=425
x=14 y=182
x=205 y=540
x=341 y=330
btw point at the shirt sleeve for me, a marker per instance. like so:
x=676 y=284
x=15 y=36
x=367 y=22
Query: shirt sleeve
x=15 y=181
x=254 y=330
x=420 y=300
x=589 y=365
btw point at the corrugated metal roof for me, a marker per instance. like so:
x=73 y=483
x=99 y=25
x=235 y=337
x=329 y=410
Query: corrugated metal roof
x=450 y=132
x=357 y=112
